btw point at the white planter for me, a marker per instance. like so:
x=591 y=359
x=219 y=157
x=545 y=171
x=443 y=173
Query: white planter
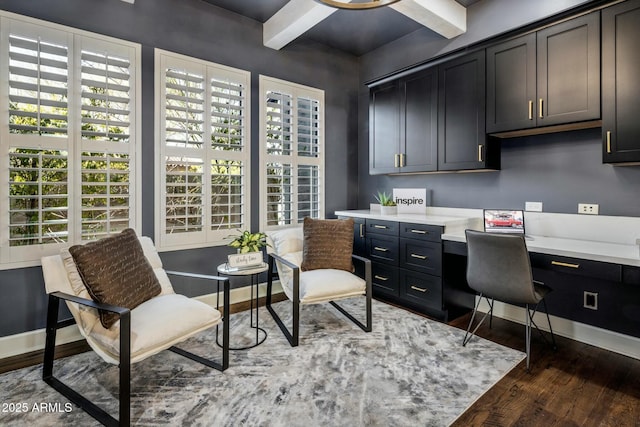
x=389 y=210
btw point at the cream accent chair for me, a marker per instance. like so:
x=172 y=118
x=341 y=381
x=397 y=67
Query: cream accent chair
x=314 y=286
x=153 y=326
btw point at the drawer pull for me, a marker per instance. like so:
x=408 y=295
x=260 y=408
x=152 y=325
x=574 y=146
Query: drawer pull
x=419 y=231
x=384 y=227
x=361 y=230
x=565 y=264
x=380 y=249
x=415 y=288
x=419 y=256
x=384 y=279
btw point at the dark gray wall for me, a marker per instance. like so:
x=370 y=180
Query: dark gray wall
x=560 y=170
x=198 y=29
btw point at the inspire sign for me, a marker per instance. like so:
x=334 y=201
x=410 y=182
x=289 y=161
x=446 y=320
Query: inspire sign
x=410 y=200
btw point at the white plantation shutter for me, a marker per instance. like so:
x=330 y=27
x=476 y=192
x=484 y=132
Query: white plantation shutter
x=38 y=85
x=106 y=96
x=68 y=137
x=291 y=158
x=203 y=127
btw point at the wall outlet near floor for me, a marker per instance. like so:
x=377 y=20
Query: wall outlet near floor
x=533 y=206
x=588 y=208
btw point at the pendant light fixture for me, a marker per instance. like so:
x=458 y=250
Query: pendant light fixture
x=357 y=5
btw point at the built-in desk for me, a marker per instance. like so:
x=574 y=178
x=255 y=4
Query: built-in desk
x=595 y=283
x=591 y=262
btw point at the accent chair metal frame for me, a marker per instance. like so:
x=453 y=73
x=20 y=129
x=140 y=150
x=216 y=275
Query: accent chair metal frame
x=294 y=336
x=124 y=314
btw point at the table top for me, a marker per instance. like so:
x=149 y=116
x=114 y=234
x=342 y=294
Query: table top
x=225 y=269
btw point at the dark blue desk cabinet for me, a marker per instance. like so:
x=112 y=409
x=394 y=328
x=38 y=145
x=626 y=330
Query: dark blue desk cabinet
x=407 y=267
x=595 y=293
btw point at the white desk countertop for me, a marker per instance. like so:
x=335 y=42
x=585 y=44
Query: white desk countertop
x=584 y=249
x=616 y=251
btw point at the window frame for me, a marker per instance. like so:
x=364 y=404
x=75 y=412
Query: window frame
x=267 y=84
x=209 y=70
x=73 y=143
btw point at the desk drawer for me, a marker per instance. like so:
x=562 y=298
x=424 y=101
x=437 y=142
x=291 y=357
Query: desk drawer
x=422 y=289
x=431 y=233
x=375 y=226
x=579 y=267
x=382 y=249
x=421 y=255
x=384 y=279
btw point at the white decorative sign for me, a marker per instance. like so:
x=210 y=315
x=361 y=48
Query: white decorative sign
x=243 y=261
x=410 y=200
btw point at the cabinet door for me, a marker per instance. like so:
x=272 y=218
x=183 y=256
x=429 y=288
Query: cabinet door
x=384 y=133
x=620 y=82
x=569 y=71
x=419 y=122
x=461 y=113
x=511 y=84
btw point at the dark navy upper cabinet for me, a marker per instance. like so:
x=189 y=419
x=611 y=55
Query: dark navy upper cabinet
x=550 y=77
x=620 y=83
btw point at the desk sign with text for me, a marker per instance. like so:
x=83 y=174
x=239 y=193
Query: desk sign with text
x=242 y=261
x=410 y=200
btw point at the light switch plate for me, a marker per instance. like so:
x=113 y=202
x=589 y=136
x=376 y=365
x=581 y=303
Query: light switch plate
x=533 y=206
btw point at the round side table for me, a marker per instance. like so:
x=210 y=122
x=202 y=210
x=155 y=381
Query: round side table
x=253 y=273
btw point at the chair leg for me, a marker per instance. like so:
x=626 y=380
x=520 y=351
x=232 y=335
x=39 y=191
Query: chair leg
x=468 y=335
x=368 y=290
x=294 y=336
x=527 y=334
x=553 y=338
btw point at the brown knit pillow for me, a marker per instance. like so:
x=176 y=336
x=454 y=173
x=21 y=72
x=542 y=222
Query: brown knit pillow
x=115 y=271
x=328 y=243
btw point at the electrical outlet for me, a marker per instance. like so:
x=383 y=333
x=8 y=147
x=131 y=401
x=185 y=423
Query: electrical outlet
x=588 y=208
x=533 y=206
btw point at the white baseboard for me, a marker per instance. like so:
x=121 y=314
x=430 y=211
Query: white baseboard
x=26 y=342
x=609 y=340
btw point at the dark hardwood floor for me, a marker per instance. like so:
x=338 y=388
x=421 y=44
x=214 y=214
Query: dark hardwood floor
x=577 y=385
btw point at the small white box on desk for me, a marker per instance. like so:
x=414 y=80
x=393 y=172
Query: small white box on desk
x=245 y=261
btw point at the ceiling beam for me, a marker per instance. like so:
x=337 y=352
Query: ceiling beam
x=293 y=20
x=446 y=17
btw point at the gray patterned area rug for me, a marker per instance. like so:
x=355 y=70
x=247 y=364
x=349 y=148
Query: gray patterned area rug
x=409 y=371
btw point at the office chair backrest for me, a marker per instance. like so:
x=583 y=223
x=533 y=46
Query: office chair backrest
x=498 y=266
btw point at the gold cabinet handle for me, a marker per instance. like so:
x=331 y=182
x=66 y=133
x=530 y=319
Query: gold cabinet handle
x=415 y=288
x=384 y=279
x=419 y=256
x=565 y=264
x=396 y=163
x=530 y=110
x=540 y=112
x=380 y=249
x=384 y=227
x=402 y=160
x=419 y=231
x=608 y=141
x=480 y=147
x=361 y=230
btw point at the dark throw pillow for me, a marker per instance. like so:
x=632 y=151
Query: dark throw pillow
x=328 y=243
x=115 y=271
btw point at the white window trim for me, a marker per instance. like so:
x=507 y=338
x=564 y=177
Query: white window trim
x=296 y=90
x=29 y=256
x=207 y=237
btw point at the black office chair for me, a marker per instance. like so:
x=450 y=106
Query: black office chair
x=498 y=268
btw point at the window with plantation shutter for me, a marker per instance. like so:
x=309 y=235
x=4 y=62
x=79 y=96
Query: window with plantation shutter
x=69 y=138
x=291 y=155
x=203 y=134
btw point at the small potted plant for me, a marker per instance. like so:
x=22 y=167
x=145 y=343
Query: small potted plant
x=387 y=205
x=248 y=246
